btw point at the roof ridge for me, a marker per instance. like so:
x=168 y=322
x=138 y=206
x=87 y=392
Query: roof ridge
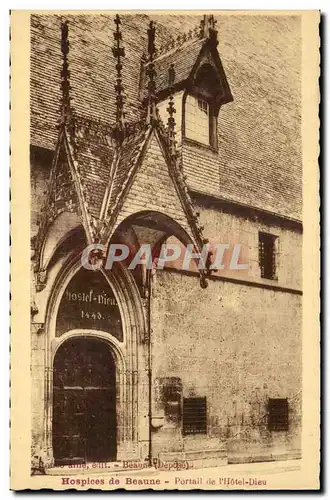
x=80 y=185
x=174 y=43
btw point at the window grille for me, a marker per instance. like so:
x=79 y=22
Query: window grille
x=278 y=415
x=267 y=255
x=194 y=416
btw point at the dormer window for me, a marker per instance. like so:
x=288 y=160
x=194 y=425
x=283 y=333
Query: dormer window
x=198 y=85
x=202 y=107
x=197 y=114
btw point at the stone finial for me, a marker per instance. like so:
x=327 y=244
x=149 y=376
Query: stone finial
x=171 y=75
x=151 y=73
x=207 y=28
x=65 y=72
x=171 y=111
x=119 y=52
x=151 y=41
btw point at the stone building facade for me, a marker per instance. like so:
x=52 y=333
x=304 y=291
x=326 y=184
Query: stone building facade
x=179 y=130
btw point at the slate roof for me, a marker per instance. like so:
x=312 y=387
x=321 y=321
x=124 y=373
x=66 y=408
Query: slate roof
x=259 y=139
x=183 y=57
x=127 y=155
x=94 y=154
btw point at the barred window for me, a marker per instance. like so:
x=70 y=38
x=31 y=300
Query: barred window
x=194 y=416
x=278 y=415
x=267 y=255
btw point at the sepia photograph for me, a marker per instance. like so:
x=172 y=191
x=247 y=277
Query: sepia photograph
x=166 y=229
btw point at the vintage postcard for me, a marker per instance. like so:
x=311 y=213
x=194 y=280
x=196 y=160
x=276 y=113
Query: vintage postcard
x=165 y=250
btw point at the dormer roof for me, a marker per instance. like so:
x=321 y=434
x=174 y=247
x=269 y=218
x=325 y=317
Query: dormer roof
x=188 y=54
x=183 y=57
x=110 y=174
x=265 y=112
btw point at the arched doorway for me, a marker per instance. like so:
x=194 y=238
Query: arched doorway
x=84 y=402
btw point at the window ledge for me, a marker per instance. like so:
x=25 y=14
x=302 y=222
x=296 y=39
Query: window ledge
x=200 y=145
x=269 y=280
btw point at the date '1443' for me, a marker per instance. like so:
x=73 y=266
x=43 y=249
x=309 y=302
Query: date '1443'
x=91 y=315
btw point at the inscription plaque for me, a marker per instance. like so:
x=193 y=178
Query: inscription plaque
x=89 y=303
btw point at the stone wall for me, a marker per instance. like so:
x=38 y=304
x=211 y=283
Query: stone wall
x=226 y=228
x=236 y=345
x=238 y=342
x=41 y=161
x=37 y=392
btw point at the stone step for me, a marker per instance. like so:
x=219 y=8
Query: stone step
x=197 y=459
x=270 y=457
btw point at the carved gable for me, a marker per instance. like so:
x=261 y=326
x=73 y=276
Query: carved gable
x=153 y=188
x=63 y=195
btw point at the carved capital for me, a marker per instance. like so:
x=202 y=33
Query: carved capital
x=41 y=279
x=38 y=328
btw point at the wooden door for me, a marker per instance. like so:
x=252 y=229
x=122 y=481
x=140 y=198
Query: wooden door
x=84 y=402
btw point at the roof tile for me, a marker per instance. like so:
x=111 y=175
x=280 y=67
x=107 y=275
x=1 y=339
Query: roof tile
x=259 y=160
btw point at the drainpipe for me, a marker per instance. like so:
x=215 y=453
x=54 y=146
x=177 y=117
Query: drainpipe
x=149 y=280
